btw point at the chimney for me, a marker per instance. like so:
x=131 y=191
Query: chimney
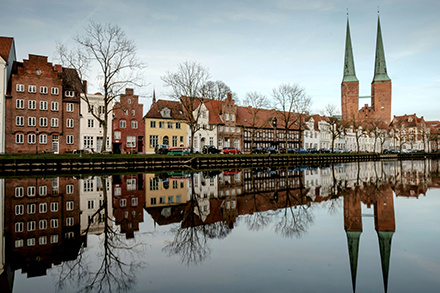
x=129 y=92
x=58 y=67
x=85 y=86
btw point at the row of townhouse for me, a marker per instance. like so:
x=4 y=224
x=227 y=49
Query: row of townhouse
x=221 y=124
x=41 y=111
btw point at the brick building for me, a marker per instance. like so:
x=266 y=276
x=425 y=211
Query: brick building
x=380 y=107
x=42 y=110
x=128 y=124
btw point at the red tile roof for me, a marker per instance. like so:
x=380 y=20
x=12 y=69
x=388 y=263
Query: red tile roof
x=5 y=47
x=175 y=107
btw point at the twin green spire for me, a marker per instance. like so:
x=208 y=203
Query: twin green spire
x=380 y=67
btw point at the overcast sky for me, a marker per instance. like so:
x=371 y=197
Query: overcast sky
x=256 y=45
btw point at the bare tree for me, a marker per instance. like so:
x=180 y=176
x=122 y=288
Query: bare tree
x=336 y=128
x=188 y=85
x=292 y=105
x=107 y=48
x=255 y=102
x=355 y=124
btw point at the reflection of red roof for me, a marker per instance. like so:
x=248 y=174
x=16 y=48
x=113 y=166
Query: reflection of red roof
x=5 y=47
x=175 y=107
x=231 y=172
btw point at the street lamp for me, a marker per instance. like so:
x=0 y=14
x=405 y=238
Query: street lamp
x=36 y=140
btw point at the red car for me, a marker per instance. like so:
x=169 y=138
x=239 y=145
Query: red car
x=231 y=151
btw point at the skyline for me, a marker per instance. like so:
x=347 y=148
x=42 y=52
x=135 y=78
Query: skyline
x=256 y=46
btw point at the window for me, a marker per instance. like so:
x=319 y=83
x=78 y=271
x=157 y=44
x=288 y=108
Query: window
x=152 y=124
x=88 y=185
x=19 y=138
x=69 y=189
x=90 y=123
x=153 y=201
x=88 y=142
x=133 y=112
x=43 y=121
x=170 y=124
x=131 y=184
x=43 y=90
x=232 y=117
x=32 y=121
x=31 y=242
x=117 y=191
x=19 y=104
x=178 y=126
x=69 y=139
x=43 y=105
x=101 y=109
x=31 y=138
x=90 y=204
x=42 y=240
x=54 y=106
x=19 y=191
x=226 y=117
x=117 y=135
x=90 y=109
x=19 y=209
x=32 y=89
x=122 y=124
x=19 y=227
x=161 y=124
x=174 y=140
x=54 y=91
x=131 y=141
x=54 y=238
x=19 y=120
x=134 y=202
x=125 y=112
x=32 y=105
x=31 y=226
x=54 y=122
x=43 y=208
x=19 y=243
x=69 y=205
x=69 y=123
x=31 y=190
x=122 y=202
x=181 y=139
x=153 y=141
x=162 y=200
x=31 y=208
x=54 y=206
x=170 y=199
x=69 y=94
x=20 y=88
x=134 y=124
x=43 y=224
x=69 y=221
x=42 y=190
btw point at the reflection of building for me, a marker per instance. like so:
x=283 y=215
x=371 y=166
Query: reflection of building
x=128 y=202
x=93 y=212
x=42 y=223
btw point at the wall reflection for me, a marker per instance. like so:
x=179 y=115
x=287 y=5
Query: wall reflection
x=47 y=222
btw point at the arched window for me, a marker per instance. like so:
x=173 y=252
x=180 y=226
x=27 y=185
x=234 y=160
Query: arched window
x=166 y=140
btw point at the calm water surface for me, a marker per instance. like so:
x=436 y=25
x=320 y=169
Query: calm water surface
x=369 y=226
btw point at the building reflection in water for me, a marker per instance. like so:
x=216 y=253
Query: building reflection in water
x=47 y=221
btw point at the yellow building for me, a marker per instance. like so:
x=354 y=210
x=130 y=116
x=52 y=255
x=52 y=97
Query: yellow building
x=164 y=124
x=168 y=190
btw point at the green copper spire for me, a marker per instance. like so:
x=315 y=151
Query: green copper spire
x=380 y=66
x=349 y=72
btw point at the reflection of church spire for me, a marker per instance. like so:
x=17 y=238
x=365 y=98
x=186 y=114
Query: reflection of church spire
x=353 y=251
x=385 y=253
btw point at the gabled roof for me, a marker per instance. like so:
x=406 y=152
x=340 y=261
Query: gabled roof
x=175 y=107
x=244 y=117
x=215 y=108
x=5 y=47
x=408 y=120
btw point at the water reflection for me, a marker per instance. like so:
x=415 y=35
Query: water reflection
x=48 y=222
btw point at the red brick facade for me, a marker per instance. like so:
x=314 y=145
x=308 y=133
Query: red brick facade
x=41 y=111
x=131 y=111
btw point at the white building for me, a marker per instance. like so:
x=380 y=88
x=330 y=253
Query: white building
x=90 y=130
x=207 y=133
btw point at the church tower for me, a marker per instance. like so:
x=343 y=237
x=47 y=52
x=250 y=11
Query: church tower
x=381 y=85
x=350 y=83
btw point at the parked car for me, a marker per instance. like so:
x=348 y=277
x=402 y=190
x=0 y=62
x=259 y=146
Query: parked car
x=269 y=150
x=178 y=151
x=210 y=149
x=289 y=151
x=161 y=149
x=324 y=150
x=300 y=151
x=81 y=151
x=256 y=150
x=337 y=151
x=229 y=150
x=312 y=151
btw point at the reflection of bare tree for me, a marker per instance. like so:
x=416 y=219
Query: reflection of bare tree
x=296 y=216
x=115 y=270
x=191 y=237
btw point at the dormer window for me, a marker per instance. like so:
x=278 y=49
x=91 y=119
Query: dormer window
x=165 y=112
x=410 y=119
x=69 y=94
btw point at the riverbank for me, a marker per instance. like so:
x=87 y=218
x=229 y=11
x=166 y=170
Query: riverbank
x=49 y=164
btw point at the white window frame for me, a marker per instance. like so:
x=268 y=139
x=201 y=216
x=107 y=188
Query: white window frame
x=54 y=122
x=131 y=141
x=69 y=139
x=54 y=91
x=43 y=139
x=32 y=121
x=122 y=124
x=42 y=208
x=32 y=89
x=19 y=88
x=19 y=104
x=69 y=205
x=19 y=227
x=19 y=138
x=43 y=90
x=134 y=124
x=70 y=221
x=31 y=208
x=70 y=107
x=19 y=191
x=54 y=106
x=69 y=188
x=43 y=121
x=32 y=105
x=43 y=105
x=31 y=138
x=19 y=209
x=90 y=123
x=69 y=94
x=19 y=120
x=117 y=135
x=70 y=123
x=54 y=206
x=42 y=190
